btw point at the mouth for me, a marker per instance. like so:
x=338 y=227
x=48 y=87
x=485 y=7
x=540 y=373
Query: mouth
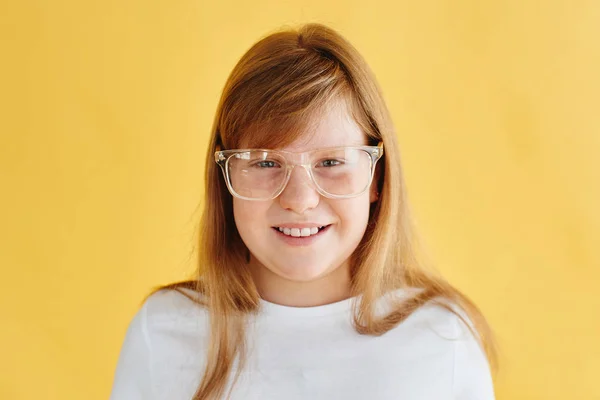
x=301 y=232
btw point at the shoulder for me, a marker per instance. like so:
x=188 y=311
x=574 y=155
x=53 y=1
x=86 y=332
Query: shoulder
x=447 y=317
x=441 y=330
x=163 y=309
x=471 y=372
x=163 y=316
x=173 y=306
x=437 y=315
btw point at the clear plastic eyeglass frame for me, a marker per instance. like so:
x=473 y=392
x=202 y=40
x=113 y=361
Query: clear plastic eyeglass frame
x=293 y=159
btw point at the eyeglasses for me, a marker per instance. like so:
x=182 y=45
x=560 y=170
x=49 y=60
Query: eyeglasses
x=336 y=172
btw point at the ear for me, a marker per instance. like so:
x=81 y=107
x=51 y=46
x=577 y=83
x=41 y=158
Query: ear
x=374 y=189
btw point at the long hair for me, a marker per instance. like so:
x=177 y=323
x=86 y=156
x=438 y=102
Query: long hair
x=282 y=84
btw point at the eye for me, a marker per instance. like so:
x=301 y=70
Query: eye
x=329 y=163
x=265 y=164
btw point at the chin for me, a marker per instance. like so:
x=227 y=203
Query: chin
x=300 y=272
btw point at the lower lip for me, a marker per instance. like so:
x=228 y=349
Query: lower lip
x=301 y=240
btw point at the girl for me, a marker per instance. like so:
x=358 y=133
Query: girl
x=308 y=283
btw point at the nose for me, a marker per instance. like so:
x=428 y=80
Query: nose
x=299 y=195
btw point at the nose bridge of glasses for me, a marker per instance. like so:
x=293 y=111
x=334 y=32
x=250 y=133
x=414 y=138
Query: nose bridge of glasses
x=299 y=189
x=295 y=180
x=305 y=180
x=300 y=159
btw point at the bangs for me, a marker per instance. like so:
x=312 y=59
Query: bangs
x=282 y=130
x=280 y=97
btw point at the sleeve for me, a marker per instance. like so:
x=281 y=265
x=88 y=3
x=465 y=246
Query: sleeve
x=472 y=374
x=132 y=378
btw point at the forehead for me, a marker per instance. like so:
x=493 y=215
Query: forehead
x=333 y=127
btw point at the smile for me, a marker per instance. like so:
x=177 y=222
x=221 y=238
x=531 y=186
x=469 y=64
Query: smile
x=296 y=236
x=300 y=232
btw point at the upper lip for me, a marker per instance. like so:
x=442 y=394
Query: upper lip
x=300 y=226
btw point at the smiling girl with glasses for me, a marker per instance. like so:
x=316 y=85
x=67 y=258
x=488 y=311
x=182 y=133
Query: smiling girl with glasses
x=308 y=283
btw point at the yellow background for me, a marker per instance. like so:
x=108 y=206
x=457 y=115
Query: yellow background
x=106 y=107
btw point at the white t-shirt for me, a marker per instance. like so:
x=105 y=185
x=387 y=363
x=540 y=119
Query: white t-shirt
x=304 y=353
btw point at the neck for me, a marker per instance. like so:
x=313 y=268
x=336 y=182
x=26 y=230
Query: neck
x=327 y=289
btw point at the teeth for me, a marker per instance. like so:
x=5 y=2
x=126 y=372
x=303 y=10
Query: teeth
x=300 y=232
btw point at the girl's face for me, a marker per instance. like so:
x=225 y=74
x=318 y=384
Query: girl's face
x=301 y=265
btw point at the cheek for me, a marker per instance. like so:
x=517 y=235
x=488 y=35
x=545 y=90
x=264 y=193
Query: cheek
x=354 y=215
x=249 y=215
